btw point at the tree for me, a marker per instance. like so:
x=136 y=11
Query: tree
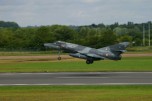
x=41 y=36
x=63 y=33
x=8 y=24
x=125 y=38
x=106 y=38
x=5 y=37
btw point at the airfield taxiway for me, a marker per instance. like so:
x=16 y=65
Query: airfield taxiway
x=76 y=78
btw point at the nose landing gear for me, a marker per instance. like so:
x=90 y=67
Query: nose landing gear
x=59 y=58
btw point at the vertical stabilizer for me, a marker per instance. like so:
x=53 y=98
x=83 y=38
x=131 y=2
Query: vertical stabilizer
x=117 y=48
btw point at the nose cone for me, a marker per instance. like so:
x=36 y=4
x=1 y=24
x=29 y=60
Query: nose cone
x=51 y=45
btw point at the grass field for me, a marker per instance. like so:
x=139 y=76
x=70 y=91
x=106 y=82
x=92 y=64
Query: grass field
x=76 y=93
x=26 y=53
x=140 y=49
x=70 y=65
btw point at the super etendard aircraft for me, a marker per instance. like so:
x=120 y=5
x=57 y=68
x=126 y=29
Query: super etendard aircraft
x=112 y=52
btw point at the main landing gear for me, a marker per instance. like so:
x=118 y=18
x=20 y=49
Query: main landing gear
x=89 y=61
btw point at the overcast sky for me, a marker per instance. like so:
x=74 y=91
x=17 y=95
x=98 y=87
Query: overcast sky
x=75 y=12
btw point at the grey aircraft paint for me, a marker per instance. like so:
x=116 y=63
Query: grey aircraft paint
x=112 y=52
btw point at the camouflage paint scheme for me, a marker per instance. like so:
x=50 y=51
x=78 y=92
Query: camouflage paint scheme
x=112 y=52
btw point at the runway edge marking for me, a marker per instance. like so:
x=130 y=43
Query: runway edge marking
x=76 y=84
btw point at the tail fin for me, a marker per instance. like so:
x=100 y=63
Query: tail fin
x=121 y=47
x=117 y=48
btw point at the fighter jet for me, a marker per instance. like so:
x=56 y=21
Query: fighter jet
x=112 y=52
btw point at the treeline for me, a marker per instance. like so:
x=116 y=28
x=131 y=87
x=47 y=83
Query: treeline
x=33 y=38
x=4 y=24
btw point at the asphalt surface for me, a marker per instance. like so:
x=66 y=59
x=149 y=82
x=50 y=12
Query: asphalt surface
x=77 y=78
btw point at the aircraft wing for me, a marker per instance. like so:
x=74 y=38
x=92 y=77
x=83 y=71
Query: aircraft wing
x=91 y=55
x=95 y=56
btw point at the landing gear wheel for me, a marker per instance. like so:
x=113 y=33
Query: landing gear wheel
x=89 y=61
x=59 y=58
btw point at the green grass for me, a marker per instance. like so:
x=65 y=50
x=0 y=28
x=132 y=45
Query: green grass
x=126 y=64
x=140 y=49
x=76 y=93
x=26 y=53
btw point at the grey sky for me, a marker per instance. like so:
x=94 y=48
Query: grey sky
x=75 y=12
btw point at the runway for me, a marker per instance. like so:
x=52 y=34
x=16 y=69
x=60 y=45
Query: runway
x=77 y=78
